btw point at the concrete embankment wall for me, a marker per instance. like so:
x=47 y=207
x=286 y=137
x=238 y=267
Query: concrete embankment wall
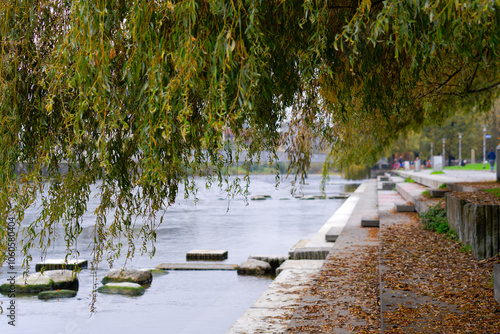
x=477 y=225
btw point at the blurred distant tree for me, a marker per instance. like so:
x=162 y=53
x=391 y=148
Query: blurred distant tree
x=470 y=124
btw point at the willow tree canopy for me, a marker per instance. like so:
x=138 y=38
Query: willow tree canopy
x=138 y=96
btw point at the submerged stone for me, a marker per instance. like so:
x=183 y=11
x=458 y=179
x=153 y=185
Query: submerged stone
x=56 y=294
x=123 y=288
x=258 y=198
x=156 y=271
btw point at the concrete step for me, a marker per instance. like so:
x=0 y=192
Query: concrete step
x=404 y=207
x=370 y=221
x=429 y=180
x=333 y=233
x=412 y=192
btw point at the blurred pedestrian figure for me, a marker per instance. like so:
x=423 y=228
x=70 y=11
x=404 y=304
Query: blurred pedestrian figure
x=491 y=158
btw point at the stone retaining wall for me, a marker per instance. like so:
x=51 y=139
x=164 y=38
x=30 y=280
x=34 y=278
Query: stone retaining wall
x=477 y=225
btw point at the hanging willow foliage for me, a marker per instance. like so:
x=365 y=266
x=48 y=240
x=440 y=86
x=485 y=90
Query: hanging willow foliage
x=137 y=97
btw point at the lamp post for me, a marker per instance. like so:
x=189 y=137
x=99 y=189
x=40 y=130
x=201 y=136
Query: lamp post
x=484 y=145
x=432 y=159
x=444 y=146
x=459 y=149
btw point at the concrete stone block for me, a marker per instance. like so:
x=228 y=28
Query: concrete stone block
x=56 y=264
x=478 y=229
x=206 y=255
x=476 y=225
x=437 y=163
x=417 y=165
x=404 y=207
x=438 y=193
x=370 y=221
x=455 y=215
x=333 y=233
x=496 y=282
x=388 y=185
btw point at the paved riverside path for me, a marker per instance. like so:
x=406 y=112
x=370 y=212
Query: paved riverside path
x=395 y=294
x=341 y=293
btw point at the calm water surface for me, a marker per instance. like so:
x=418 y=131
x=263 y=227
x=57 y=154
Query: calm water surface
x=186 y=301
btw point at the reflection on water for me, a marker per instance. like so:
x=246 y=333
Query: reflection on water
x=186 y=301
x=349 y=188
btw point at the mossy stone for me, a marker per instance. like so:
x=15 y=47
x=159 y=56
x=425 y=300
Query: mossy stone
x=139 y=276
x=33 y=283
x=56 y=294
x=123 y=288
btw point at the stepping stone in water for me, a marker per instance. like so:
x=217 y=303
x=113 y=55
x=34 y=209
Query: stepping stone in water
x=138 y=276
x=56 y=294
x=274 y=260
x=210 y=255
x=55 y=264
x=254 y=267
x=260 y=197
x=63 y=279
x=33 y=283
x=123 y=288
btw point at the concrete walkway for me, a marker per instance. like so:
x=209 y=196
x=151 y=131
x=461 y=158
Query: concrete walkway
x=345 y=257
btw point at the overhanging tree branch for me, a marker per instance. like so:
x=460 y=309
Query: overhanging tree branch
x=493 y=85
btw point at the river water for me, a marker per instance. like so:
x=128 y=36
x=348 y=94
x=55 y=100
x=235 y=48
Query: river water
x=185 y=301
